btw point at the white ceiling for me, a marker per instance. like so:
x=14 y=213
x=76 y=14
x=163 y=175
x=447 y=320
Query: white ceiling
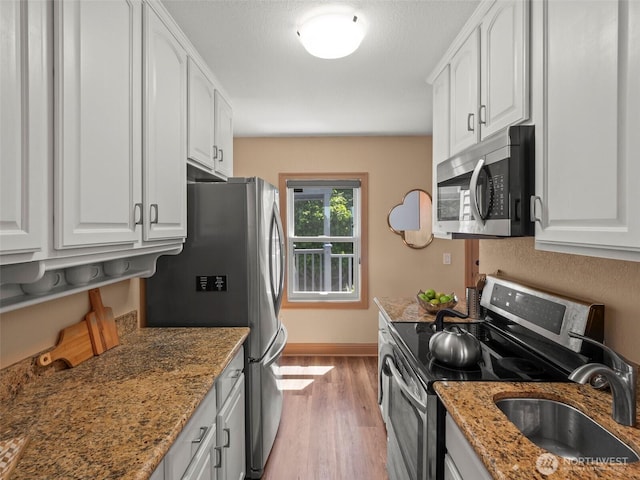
x=278 y=89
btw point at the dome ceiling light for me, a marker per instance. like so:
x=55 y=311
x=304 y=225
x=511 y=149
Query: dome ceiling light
x=331 y=35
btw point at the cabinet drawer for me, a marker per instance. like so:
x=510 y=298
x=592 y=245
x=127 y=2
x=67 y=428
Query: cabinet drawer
x=229 y=376
x=179 y=456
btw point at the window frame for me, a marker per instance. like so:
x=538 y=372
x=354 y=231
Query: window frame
x=314 y=300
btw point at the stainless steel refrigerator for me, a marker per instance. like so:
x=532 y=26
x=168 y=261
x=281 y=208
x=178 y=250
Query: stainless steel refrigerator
x=231 y=273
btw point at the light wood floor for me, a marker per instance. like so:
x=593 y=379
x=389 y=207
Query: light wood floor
x=331 y=428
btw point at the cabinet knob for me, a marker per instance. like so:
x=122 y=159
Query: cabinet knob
x=470 y=122
x=228 y=442
x=221 y=154
x=215 y=152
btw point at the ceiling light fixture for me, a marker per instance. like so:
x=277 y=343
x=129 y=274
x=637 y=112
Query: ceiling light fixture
x=331 y=35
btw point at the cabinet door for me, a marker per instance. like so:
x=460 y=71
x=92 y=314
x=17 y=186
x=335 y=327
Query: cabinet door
x=165 y=141
x=97 y=89
x=231 y=435
x=504 y=74
x=465 y=78
x=23 y=126
x=587 y=146
x=201 y=116
x=441 y=118
x=223 y=136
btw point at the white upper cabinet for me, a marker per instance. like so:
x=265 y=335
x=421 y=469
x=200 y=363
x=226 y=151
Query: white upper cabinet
x=440 y=139
x=23 y=126
x=504 y=74
x=223 y=154
x=587 y=115
x=465 y=70
x=97 y=113
x=489 y=73
x=165 y=131
x=201 y=116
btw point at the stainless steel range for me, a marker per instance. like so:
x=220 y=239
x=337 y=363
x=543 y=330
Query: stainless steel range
x=523 y=337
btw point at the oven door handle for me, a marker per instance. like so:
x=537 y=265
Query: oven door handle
x=473 y=188
x=417 y=402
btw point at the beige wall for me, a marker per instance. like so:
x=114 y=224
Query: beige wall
x=395 y=166
x=614 y=283
x=27 y=331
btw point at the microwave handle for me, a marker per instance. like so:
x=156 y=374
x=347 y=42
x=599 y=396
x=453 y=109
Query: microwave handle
x=473 y=185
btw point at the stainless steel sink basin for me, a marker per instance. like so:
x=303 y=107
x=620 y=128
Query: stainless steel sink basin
x=563 y=430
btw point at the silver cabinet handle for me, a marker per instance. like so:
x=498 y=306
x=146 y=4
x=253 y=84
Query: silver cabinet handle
x=203 y=432
x=470 y=122
x=218 y=457
x=137 y=214
x=473 y=185
x=215 y=152
x=228 y=442
x=221 y=154
x=535 y=199
x=153 y=218
x=482 y=115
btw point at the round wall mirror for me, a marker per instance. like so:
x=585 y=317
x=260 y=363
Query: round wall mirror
x=411 y=219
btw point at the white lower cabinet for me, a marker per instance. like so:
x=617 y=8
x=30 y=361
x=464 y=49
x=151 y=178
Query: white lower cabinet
x=461 y=461
x=230 y=435
x=211 y=446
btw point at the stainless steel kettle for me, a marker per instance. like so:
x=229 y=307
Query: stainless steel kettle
x=453 y=346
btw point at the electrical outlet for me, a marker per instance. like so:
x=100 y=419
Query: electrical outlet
x=446 y=259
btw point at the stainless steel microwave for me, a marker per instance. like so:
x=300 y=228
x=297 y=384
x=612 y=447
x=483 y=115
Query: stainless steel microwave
x=486 y=189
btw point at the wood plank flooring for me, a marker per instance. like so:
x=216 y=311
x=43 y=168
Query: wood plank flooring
x=331 y=428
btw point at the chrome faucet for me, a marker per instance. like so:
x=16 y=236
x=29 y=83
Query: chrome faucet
x=622 y=378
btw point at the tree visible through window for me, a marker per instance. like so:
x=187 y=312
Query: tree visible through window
x=324 y=239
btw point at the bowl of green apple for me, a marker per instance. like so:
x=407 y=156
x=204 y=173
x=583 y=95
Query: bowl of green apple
x=433 y=301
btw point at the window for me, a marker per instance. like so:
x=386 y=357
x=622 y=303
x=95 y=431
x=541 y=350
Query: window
x=325 y=224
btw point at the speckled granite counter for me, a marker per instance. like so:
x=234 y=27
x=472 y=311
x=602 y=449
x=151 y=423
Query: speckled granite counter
x=117 y=414
x=507 y=453
x=406 y=309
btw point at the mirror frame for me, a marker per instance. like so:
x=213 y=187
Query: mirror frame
x=424 y=215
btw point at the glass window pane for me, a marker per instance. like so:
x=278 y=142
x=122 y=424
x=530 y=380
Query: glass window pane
x=323 y=267
x=323 y=211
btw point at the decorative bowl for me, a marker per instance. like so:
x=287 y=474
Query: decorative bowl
x=431 y=308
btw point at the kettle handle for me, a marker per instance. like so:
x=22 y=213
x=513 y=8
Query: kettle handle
x=446 y=312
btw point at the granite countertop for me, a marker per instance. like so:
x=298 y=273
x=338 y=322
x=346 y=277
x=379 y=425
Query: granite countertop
x=406 y=309
x=117 y=414
x=507 y=453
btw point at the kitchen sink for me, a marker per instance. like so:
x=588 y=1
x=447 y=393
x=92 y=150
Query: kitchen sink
x=563 y=430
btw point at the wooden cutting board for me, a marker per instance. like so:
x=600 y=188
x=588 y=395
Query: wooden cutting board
x=10 y=452
x=106 y=321
x=74 y=346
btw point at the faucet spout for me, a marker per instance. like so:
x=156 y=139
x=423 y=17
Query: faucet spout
x=623 y=389
x=622 y=378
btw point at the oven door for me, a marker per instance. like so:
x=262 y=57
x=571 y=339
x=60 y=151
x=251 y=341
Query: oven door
x=407 y=424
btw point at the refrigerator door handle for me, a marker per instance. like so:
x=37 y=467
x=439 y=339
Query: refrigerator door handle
x=277 y=293
x=267 y=359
